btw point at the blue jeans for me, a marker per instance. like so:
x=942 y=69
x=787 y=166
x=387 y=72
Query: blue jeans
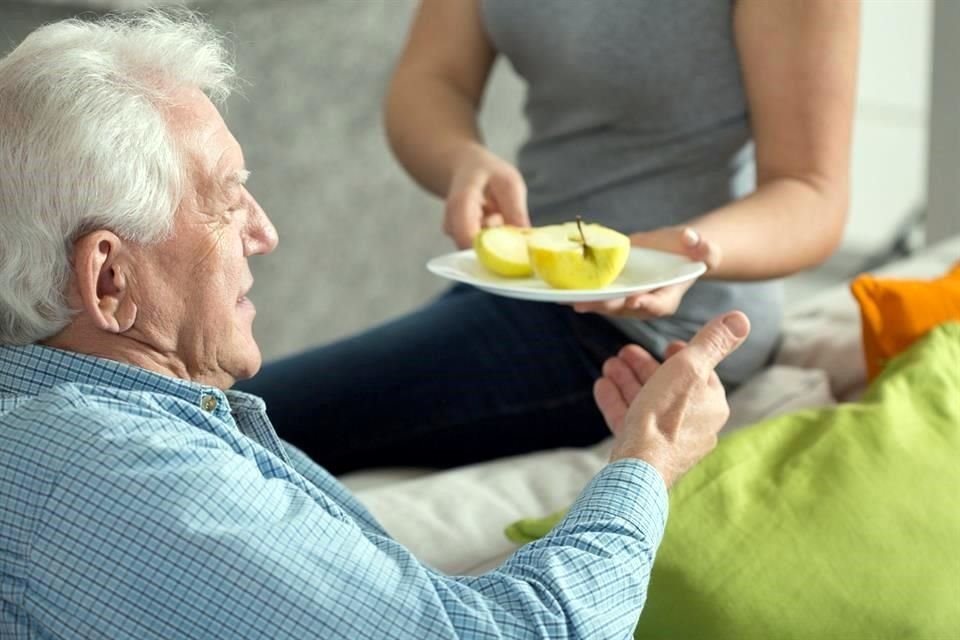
x=469 y=377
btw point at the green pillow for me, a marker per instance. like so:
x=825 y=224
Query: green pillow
x=842 y=522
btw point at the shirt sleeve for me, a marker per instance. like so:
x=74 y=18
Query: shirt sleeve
x=320 y=477
x=175 y=535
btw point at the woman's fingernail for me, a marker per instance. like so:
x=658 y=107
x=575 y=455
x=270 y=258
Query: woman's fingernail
x=690 y=237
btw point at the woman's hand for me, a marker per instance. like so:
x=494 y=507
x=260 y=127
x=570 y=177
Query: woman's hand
x=664 y=301
x=485 y=191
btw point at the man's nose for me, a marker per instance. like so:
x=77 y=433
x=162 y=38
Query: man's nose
x=262 y=236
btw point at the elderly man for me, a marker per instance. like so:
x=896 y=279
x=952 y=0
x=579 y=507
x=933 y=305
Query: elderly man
x=141 y=499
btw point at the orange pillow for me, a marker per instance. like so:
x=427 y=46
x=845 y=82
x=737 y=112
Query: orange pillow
x=895 y=313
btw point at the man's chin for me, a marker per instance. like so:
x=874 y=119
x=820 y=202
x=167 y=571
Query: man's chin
x=248 y=366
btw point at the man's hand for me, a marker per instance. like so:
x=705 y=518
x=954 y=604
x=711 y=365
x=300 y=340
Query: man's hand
x=669 y=414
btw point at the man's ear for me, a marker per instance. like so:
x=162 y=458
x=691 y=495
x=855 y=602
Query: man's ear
x=102 y=279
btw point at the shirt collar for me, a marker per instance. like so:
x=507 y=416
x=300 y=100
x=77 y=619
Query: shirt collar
x=31 y=369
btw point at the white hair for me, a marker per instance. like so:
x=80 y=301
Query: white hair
x=85 y=144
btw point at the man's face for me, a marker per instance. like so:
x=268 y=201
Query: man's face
x=191 y=289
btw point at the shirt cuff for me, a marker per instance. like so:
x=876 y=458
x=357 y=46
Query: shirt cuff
x=629 y=489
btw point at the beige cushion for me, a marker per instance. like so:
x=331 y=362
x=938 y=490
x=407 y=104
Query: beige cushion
x=775 y=391
x=827 y=339
x=454 y=520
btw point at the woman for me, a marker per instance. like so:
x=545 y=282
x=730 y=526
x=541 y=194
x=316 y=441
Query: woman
x=720 y=130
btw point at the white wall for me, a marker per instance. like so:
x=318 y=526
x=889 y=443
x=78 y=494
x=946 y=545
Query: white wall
x=890 y=130
x=943 y=160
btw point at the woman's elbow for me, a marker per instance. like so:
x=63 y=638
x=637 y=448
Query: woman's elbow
x=832 y=208
x=836 y=209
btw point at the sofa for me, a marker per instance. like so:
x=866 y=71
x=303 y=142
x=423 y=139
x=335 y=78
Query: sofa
x=454 y=520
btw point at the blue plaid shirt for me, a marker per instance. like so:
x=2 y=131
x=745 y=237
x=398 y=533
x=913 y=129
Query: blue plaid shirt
x=135 y=505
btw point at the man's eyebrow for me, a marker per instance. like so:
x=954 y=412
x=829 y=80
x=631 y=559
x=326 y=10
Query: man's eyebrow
x=236 y=178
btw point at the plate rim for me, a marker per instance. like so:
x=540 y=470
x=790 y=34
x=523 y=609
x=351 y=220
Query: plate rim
x=557 y=295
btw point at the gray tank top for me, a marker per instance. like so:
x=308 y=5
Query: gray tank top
x=638 y=120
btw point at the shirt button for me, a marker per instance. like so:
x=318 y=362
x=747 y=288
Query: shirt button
x=208 y=402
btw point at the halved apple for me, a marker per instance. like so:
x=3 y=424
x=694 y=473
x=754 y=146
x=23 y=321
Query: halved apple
x=578 y=256
x=503 y=250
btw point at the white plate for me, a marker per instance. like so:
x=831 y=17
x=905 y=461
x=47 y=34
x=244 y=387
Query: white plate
x=646 y=269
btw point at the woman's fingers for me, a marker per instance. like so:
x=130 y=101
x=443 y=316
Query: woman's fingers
x=492 y=220
x=699 y=249
x=485 y=191
x=602 y=306
x=509 y=195
x=462 y=216
x=651 y=304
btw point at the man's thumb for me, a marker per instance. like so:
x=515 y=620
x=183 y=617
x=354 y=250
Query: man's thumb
x=719 y=338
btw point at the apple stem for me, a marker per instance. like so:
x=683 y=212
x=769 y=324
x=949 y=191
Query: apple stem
x=583 y=238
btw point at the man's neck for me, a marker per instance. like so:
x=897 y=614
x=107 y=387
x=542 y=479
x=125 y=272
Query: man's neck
x=131 y=350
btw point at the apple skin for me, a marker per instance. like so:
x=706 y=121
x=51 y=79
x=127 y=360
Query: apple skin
x=503 y=250
x=559 y=258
